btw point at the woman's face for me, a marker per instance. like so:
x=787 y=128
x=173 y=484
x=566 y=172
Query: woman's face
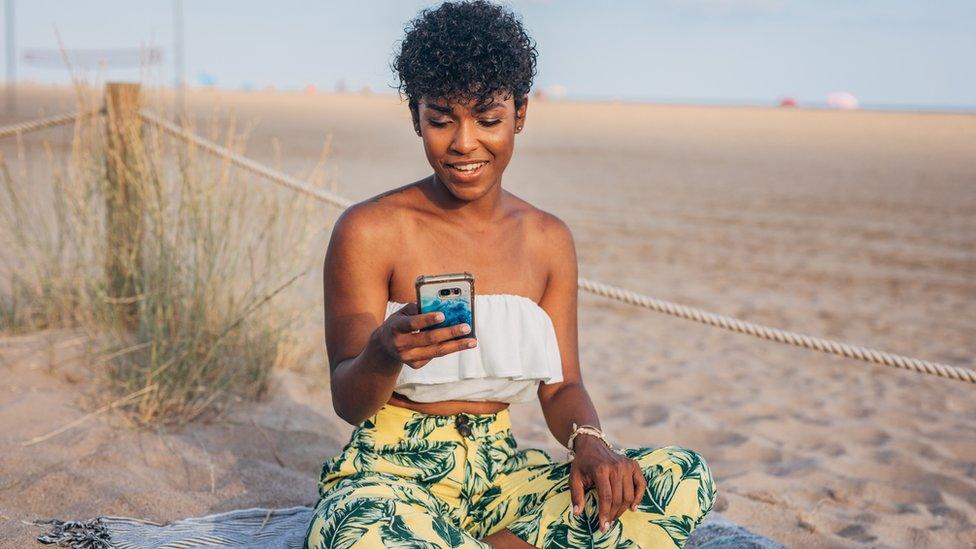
x=469 y=145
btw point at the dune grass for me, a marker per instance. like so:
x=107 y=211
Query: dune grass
x=211 y=306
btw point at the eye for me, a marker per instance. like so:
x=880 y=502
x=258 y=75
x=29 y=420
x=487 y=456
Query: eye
x=490 y=122
x=436 y=123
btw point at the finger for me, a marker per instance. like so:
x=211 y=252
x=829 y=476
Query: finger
x=428 y=352
x=439 y=335
x=641 y=486
x=416 y=364
x=455 y=345
x=604 y=492
x=628 y=482
x=617 y=484
x=576 y=491
x=409 y=323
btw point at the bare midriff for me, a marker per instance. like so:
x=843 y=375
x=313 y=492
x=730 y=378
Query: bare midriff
x=449 y=407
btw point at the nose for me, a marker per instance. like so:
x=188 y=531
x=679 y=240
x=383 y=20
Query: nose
x=465 y=141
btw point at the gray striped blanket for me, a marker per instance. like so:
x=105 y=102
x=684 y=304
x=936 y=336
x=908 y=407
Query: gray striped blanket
x=285 y=529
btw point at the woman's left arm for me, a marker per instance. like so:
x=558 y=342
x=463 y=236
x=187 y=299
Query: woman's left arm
x=567 y=401
x=618 y=479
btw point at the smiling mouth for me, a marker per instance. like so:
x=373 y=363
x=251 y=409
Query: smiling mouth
x=468 y=168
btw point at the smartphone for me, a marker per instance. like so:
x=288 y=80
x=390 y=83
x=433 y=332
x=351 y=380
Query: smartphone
x=452 y=294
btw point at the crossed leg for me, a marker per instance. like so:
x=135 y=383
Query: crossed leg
x=375 y=511
x=537 y=506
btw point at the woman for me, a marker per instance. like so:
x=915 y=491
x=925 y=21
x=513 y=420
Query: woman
x=432 y=461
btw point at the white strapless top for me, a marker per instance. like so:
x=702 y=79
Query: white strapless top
x=517 y=349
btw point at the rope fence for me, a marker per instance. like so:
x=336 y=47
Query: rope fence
x=776 y=334
x=246 y=163
x=46 y=122
x=605 y=290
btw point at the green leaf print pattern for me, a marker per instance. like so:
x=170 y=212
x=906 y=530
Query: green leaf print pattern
x=421 y=426
x=361 y=509
x=692 y=467
x=679 y=528
x=395 y=533
x=659 y=491
x=432 y=459
x=690 y=462
x=574 y=532
x=451 y=534
x=349 y=522
x=478 y=472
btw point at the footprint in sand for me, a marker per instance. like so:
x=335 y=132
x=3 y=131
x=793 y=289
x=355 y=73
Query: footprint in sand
x=649 y=415
x=856 y=532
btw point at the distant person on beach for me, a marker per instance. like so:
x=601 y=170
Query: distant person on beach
x=432 y=461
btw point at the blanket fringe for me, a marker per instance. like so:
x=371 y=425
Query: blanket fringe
x=76 y=534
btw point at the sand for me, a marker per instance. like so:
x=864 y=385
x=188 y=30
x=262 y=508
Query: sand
x=859 y=226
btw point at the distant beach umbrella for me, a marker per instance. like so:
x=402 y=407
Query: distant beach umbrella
x=206 y=79
x=787 y=102
x=842 y=100
x=310 y=89
x=556 y=91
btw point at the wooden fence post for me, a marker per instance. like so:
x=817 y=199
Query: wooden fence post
x=124 y=211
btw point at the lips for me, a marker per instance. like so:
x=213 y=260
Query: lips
x=467 y=170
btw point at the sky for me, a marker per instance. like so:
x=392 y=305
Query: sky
x=887 y=53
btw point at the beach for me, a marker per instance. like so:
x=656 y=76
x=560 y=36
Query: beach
x=858 y=226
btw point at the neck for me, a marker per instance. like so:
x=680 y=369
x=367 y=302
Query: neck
x=480 y=211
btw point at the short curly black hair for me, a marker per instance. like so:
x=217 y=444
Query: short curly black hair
x=465 y=50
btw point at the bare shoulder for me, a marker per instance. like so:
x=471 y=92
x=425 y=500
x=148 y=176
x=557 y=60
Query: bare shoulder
x=373 y=219
x=549 y=234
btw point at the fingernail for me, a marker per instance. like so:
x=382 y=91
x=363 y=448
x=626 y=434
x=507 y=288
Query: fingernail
x=465 y=328
x=606 y=525
x=439 y=317
x=576 y=509
x=472 y=343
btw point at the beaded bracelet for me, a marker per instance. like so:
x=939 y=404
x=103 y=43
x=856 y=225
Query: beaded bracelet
x=586 y=429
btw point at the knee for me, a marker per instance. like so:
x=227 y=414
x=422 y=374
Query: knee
x=690 y=475
x=694 y=469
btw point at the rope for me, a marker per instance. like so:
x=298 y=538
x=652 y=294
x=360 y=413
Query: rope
x=782 y=336
x=617 y=293
x=46 y=122
x=246 y=163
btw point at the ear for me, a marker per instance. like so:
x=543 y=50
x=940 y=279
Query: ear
x=415 y=116
x=520 y=114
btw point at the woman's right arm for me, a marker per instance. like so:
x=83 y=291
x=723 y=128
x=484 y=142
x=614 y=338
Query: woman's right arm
x=365 y=351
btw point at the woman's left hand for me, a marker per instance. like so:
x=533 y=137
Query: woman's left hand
x=619 y=481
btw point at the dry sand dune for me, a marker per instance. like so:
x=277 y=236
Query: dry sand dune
x=859 y=226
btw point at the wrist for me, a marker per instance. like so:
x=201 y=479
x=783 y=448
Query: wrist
x=585 y=442
x=583 y=436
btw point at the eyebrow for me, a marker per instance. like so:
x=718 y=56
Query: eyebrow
x=487 y=107
x=478 y=109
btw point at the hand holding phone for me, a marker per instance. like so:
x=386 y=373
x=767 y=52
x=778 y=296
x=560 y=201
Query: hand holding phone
x=439 y=323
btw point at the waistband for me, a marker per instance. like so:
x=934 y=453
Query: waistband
x=396 y=420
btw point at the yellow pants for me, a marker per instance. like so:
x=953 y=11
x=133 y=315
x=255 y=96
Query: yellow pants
x=409 y=479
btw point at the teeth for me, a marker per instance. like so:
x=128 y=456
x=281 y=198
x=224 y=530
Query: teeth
x=468 y=167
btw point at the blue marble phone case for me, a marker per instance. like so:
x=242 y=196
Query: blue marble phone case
x=457 y=309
